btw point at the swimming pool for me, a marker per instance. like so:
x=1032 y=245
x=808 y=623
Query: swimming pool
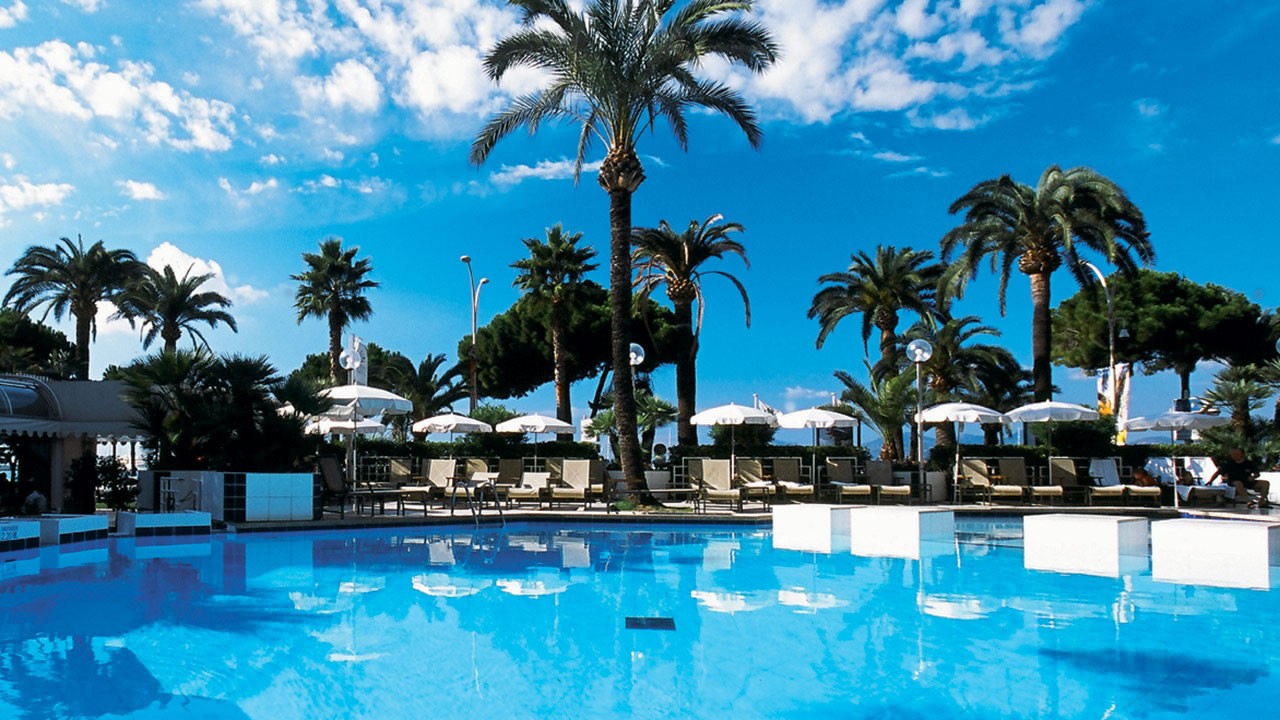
x=532 y=622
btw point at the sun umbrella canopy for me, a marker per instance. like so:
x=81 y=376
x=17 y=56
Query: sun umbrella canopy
x=1178 y=420
x=535 y=424
x=370 y=400
x=329 y=426
x=732 y=414
x=451 y=423
x=1051 y=411
x=961 y=412
x=815 y=418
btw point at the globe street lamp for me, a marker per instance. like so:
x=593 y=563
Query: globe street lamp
x=475 y=304
x=918 y=352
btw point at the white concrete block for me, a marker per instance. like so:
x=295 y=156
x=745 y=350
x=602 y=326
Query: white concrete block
x=183 y=523
x=59 y=529
x=1106 y=545
x=903 y=532
x=256 y=508
x=1223 y=553
x=19 y=535
x=812 y=527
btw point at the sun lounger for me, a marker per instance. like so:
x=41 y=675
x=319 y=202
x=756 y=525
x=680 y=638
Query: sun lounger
x=577 y=482
x=712 y=476
x=1106 y=476
x=1013 y=473
x=841 y=478
x=411 y=486
x=880 y=477
x=1203 y=468
x=786 y=476
x=974 y=480
x=1063 y=471
x=335 y=486
x=533 y=486
x=749 y=476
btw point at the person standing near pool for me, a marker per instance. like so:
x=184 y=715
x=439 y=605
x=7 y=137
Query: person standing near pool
x=1242 y=474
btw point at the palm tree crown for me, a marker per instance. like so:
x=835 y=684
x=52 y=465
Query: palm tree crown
x=878 y=288
x=68 y=279
x=553 y=270
x=616 y=68
x=169 y=306
x=664 y=257
x=1041 y=229
x=333 y=286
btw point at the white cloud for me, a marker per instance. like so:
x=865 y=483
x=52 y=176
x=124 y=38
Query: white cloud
x=271 y=159
x=1037 y=31
x=1149 y=108
x=351 y=84
x=256 y=187
x=331 y=155
x=65 y=81
x=795 y=397
x=169 y=255
x=12 y=15
x=921 y=171
x=8 y=161
x=1275 y=140
x=21 y=194
x=136 y=190
x=510 y=175
x=894 y=157
x=89 y=6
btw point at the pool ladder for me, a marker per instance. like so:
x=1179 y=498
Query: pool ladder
x=475 y=502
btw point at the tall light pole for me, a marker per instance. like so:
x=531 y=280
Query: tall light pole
x=475 y=305
x=918 y=352
x=1111 y=337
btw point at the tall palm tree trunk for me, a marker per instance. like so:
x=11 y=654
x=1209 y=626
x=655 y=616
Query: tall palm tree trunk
x=564 y=408
x=1041 y=336
x=991 y=434
x=84 y=333
x=888 y=346
x=620 y=175
x=686 y=376
x=171 y=337
x=335 y=348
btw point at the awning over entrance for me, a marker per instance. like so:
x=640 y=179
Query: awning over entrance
x=65 y=408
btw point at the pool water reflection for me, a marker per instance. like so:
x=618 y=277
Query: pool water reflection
x=530 y=622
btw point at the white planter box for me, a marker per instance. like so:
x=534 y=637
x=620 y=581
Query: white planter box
x=62 y=529
x=163 y=524
x=1085 y=544
x=1224 y=553
x=812 y=527
x=902 y=532
x=19 y=535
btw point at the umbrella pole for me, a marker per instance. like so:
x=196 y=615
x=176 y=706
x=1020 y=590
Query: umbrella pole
x=813 y=472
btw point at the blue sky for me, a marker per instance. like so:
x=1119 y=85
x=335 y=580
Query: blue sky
x=237 y=134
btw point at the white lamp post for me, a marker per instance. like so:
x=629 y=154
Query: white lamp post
x=918 y=352
x=475 y=304
x=1111 y=337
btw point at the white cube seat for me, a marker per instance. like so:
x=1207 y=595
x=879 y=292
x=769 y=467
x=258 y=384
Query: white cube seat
x=1225 y=553
x=812 y=527
x=1107 y=545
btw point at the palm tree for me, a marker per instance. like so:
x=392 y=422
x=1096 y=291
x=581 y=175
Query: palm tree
x=884 y=403
x=168 y=307
x=878 y=288
x=1239 y=389
x=333 y=286
x=617 y=68
x=663 y=256
x=71 y=280
x=550 y=275
x=1042 y=228
x=957 y=363
x=432 y=387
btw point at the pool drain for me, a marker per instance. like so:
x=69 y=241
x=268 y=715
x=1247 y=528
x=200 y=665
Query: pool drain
x=651 y=623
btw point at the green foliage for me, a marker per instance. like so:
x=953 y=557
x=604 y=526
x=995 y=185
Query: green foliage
x=30 y=347
x=69 y=280
x=168 y=307
x=514 y=354
x=883 y=403
x=1172 y=322
x=113 y=484
x=333 y=287
x=748 y=439
x=213 y=413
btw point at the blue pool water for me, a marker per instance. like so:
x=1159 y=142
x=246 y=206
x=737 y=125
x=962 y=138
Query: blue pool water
x=530 y=622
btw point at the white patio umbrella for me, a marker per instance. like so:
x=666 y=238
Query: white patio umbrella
x=332 y=426
x=734 y=415
x=1050 y=411
x=957 y=412
x=1178 y=420
x=351 y=401
x=818 y=419
x=535 y=424
x=451 y=423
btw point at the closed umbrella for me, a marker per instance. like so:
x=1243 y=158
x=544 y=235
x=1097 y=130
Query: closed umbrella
x=818 y=419
x=734 y=415
x=535 y=424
